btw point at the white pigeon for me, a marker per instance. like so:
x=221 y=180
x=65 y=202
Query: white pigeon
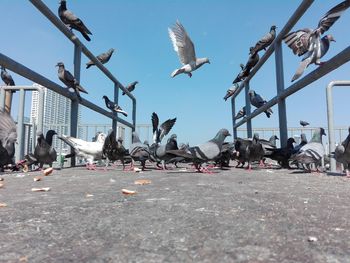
x=90 y=151
x=185 y=50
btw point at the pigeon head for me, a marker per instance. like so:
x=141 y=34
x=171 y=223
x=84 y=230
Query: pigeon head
x=101 y=138
x=290 y=141
x=330 y=38
x=322 y=132
x=251 y=93
x=273 y=28
x=120 y=139
x=60 y=64
x=146 y=142
x=221 y=135
x=241 y=65
x=105 y=97
x=111 y=50
x=303 y=137
x=135 y=138
x=256 y=136
x=173 y=137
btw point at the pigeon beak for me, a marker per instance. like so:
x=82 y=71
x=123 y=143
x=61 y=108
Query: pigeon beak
x=333 y=40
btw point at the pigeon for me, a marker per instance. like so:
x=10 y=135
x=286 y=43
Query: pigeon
x=72 y=21
x=241 y=75
x=231 y=91
x=8 y=138
x=113 y=106
x=138 y=151
x=282 y=155
x=113 y=149
x=342 y=154
x=205 y=152
x=312 y=152
x=67 y=78
x=265 y=41
x=252 y=60
x=255 y=151
x=269 y=146
x=240 y=114
x=130 y=87
x=308 y=42
x=227 y=154
x=7 y=78
x=159 y=152
x=185 y=50
x=304 y=123
x=103 y=58
x=160 y=131
x=257 y=101
x=303 y=141
x=90 y=151
x=240 y=151
x=44 y=153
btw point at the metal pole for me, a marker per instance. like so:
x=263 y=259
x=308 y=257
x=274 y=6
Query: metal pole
x=74 y=102
x=20 y=126
x=116 y=100
x=8 y=101
x=134 y=115
x=233 y=107
x=2 y=98
x=248 y=111
x=282 y=115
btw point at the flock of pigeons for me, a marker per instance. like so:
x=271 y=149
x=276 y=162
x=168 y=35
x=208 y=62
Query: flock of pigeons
x=306 y=42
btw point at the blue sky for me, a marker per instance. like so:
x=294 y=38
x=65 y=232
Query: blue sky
x=221 y=30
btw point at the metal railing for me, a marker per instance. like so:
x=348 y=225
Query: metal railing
x=79 y=48
x=282 y=93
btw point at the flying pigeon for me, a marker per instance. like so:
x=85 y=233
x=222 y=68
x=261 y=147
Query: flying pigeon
x=185 y=50
x=113 y=106
x=231 y=91
x=312 y=152
x=257 y=101
x=241 y=75
x=72 y=21
x=304 y=123
x=160 y=131
x=7 y=78
x=240 y=114
x=90 y=151
x=265 y=41
x=130 y=87
x=8 y=137
x=308 y=41
x=44 y=153
x=282 y=155
x=138 y=151
x=342 y=154
x=113 y=149
x=67 y=78
x=103 y=58
x=205 y=152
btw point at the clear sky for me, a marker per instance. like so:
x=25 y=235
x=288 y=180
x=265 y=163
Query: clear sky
x=222 y=30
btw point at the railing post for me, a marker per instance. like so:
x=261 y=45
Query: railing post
x=116 y=100
x=248 y=110
x=134 y=115
x=233 y=107
x=2 y=98
x=282 y=115
x=20 y=126
x=41 y=108
x=75 y=103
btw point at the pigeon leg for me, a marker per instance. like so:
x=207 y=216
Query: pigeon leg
x=205 y=170
x=249 y=167
x=262 y=164
x=189 y=74
x=347 y=173
x=143 y=163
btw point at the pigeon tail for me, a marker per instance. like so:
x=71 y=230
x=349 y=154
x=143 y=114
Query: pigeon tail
x=86 y=36
x=303 y=65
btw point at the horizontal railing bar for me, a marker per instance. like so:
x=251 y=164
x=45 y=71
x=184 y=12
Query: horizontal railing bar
x=285 y=30
x=332 y=64
x=63 y=28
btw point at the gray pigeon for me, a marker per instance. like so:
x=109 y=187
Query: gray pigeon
x=252 y=60
x=103 y=58
x=303 y=141
x=312 y=152
x=113 y=106
x=231 y=91
x=44 y=153
x=342 y=154
x=113 y=149
x=304 y=123
x=240 y=114
x=205 y=152
x=265 y=41
x=130 y=87
x=72 y=21
x=269 y=145
x=308 y=41
x=7 y=78
x=185 y=50
x=257 y=101
x=159 y=152
x=138 y=151
x=8 y=137
x=241 y=75
x=254 y=151
x=67 y=78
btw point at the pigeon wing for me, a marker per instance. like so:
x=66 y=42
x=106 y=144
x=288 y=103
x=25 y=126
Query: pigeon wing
x=332 y=16
x=8 y=129
x=166 y=127
x=298 y=41
x=182 y=43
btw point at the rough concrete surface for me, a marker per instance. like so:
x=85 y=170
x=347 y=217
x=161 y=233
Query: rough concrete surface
x=229 y=216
